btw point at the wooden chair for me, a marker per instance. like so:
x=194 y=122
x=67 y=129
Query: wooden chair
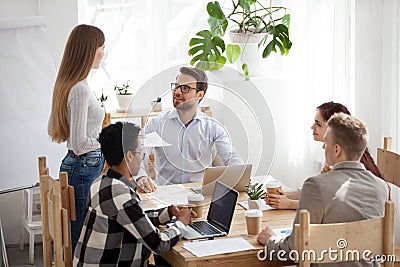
x=389 y=162
x=375 y=235
x=58 y=209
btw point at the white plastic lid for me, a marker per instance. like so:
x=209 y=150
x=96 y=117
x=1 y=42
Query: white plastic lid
x=253 y=213
x=273 y=184
x=195 y=197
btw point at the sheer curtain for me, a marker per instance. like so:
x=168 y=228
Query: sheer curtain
x=321 y=65
x=143 y=38
x=390 y=123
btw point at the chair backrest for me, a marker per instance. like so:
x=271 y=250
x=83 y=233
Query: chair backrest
x=31 y=205
x=389 y=162
x=350 y=240
x=58 y=208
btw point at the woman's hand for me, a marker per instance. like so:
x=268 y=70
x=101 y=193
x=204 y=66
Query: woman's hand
x=280 y=201
x=326 y=168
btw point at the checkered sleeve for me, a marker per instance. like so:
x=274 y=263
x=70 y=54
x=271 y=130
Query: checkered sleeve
x=133 y=218
x=159 y=216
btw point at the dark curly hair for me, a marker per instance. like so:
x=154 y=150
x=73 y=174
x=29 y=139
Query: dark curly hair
x=117 y=139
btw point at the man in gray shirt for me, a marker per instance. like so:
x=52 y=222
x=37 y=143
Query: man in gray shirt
x=346 y=193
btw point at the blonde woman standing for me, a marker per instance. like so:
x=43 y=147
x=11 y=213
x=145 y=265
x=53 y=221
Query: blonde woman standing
x=76 y=116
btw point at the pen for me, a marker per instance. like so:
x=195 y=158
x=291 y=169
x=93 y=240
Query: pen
x=203 y=239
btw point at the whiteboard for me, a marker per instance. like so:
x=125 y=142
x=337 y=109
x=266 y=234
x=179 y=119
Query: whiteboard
x=27 y=75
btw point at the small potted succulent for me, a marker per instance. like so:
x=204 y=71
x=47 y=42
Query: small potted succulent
x=124 y=96
x=156 y=105
x=255 y=192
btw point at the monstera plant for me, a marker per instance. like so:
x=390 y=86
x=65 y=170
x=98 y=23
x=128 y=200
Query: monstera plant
x=209 y=51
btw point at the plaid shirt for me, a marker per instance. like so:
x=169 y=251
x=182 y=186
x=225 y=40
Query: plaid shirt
x=117 y=231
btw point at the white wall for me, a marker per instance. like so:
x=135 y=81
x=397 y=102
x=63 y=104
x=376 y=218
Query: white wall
x=61 y=17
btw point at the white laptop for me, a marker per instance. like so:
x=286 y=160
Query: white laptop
x=219 y=217
x=234 y=176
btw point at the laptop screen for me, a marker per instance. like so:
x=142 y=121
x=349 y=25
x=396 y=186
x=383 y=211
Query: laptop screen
x=222 y=206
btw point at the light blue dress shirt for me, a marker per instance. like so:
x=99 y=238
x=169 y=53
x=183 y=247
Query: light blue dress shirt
x=191 y=147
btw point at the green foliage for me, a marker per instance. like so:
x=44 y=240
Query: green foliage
x=232 y=52
x=255 y=191
x=122 y=89
x=217 y=20
x=207 y=50
x=249 y=16
x=245 y=69
x=280 y=39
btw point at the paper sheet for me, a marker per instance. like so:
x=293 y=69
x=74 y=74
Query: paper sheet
x=217 y=246
x=165 y=196
x=154 y=140
x=264 y=205
x=282 y=231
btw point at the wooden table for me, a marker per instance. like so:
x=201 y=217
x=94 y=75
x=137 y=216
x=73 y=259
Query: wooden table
x=178 y=256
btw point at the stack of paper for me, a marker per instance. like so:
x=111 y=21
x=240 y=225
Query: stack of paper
x=154 y=140
x=217 y=246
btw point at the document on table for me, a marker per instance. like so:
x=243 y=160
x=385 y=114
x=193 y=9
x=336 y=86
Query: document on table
x=166 y=195
x=264 y=205
x=154 y=140
x=282 y=231
x=217 y=246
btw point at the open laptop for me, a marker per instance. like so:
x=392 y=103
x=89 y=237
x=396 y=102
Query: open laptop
x=219 y=217
x=234 y=176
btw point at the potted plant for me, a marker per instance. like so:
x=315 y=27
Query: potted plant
x=255 y=192
x=265 y=26
x=124 y=96
x=156 y=105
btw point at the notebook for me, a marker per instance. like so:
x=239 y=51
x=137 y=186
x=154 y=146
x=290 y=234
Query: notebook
x=234 y=176
x=219 y=217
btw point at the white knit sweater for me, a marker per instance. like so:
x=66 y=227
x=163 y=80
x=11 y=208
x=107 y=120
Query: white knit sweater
x=85 y=117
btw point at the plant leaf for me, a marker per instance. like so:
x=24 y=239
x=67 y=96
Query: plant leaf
x=232 y=52
x=245 y=69
x=280 y=38
x=218 y=64
x=217 y=20
x=215 y=10
x=245 y=4
x=217 y=26
x=206 y=50
x=286 y=20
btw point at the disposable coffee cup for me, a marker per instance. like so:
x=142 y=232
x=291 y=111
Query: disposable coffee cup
x=253 y=221
x=273 y=186
x=197 y=200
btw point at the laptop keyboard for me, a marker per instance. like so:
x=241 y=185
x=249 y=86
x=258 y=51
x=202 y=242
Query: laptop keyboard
x=204 y=228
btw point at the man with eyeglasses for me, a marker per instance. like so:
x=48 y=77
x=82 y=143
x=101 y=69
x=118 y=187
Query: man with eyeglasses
x=191 y=133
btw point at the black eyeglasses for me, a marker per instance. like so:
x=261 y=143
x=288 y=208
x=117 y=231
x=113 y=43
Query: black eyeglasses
x=184 y=88
x=142 y=154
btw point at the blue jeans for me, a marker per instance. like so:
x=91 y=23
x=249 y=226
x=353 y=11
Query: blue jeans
x=82 y=171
